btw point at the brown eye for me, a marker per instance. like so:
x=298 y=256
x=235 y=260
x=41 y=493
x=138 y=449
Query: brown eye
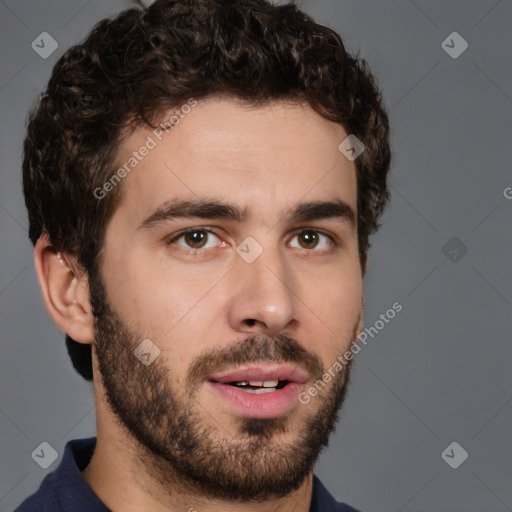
x=308 y=239
x=196 y=239
x=313 y=240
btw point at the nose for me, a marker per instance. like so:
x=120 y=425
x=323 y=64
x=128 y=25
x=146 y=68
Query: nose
x=263 y=301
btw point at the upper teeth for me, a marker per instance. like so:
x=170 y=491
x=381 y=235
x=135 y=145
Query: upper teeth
x=264 y=383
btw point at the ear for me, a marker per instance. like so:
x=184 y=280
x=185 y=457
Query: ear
x=65 y=291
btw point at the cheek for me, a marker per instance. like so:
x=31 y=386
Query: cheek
x=176 y=308
x=335 y=290
x=335 y=304
x=146 y=288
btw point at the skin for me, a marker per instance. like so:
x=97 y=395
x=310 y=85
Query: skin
x=265 y=159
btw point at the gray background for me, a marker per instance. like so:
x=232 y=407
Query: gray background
x=440 y=370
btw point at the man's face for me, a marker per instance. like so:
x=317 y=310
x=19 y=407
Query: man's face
x=224 y=308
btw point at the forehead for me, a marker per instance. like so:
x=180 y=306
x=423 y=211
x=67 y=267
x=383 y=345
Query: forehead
x=259 y=157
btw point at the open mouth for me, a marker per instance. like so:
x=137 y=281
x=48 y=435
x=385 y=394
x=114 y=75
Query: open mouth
x=259 y=387
x=259 y=391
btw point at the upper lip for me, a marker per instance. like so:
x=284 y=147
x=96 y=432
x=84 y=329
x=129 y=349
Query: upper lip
x=262 y=373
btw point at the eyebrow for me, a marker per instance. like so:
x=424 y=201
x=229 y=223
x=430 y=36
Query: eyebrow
x=221 y=210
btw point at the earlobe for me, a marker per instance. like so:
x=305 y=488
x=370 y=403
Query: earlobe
x=65 y=291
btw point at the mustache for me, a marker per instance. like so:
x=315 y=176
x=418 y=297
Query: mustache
x=254 y=349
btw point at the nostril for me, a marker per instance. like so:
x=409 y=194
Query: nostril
x=251 y=322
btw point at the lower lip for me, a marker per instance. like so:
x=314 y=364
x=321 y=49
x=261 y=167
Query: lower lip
x=264 y=405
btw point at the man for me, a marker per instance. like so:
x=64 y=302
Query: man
x=202 y=178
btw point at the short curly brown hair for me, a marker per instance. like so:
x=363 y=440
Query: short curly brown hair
x=147 y=60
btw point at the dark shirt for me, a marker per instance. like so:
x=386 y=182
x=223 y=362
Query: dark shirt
x=65 y=489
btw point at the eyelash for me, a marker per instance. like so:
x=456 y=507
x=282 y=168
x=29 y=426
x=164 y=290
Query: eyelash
x=201 y=252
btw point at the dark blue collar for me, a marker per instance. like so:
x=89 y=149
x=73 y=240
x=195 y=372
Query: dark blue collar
x=66 y=489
